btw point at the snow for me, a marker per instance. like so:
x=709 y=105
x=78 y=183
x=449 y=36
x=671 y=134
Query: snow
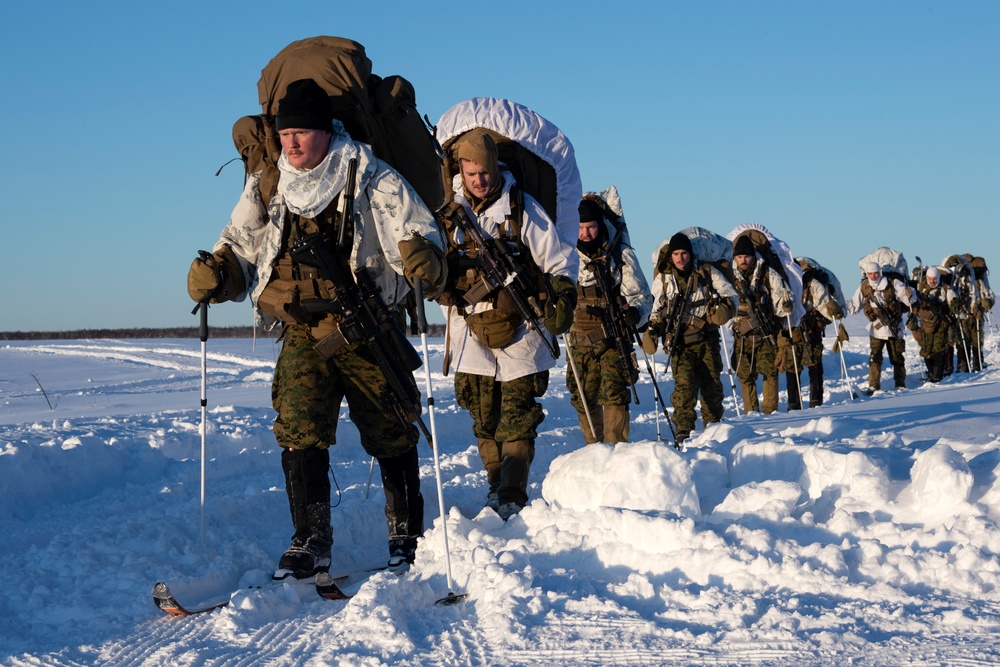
x=860 y=532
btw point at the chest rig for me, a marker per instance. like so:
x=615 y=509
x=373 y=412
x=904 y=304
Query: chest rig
x=466 y=286
x=494 y=282
x=696 y=288
x=292 y=283
x=755 y=301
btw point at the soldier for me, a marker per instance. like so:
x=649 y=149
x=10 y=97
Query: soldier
x=690 y=302
x=983 y=305
x=933 y=316
x=764 y=300
x=884 y=303
x=502 y=367
x=821 y=309
x=389 y=231
x=605 y=375
x=968 y=314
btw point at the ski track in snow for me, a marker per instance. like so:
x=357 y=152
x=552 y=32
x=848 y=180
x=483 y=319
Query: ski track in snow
x=861 y=532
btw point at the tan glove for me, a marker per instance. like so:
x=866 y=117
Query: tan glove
x=780 y=355
x=721 y=312
x=834 y=311
x=209 y=272
x=424 y=261
x=649 y=342
x=841 y=337
x=559 y=309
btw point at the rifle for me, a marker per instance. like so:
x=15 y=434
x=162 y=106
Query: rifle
x=758 y=320
x=672 y=331
x=613 y=322
x=501 y=269
x=366 y=319
x=671 y=334
x=883 y=315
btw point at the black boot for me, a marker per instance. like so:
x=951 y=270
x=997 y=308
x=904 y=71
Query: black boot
x=308 y=487
x=935 y=367
x=794 y=391
x=404 y=507
x=816 y=385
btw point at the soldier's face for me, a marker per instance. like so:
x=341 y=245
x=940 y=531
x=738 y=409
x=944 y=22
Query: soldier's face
x=680 y=258
x=743 y=262
x=476 y=179
x=304 y=149
x=589 y=230
x=873 y=276
x=932 y=281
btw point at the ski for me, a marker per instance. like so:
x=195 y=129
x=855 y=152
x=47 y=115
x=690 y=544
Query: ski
x=345 y=584
x=166 y=601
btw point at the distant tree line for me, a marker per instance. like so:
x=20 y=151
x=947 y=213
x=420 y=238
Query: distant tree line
x=165 y=332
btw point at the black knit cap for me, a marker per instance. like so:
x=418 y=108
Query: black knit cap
x=590 y=211
x=305 y=106
x=744 y=246
x=680 y=241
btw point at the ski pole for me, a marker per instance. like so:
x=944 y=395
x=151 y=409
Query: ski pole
x=659 y=436
x=979 y=342
x=579 y=385
x=729 y=371
x=795 y=360
x=203 y=335
x=993 y=323
x=371 y=469
x=659 y=399
x=843 y=362
x=451 y=597
x=965 y=346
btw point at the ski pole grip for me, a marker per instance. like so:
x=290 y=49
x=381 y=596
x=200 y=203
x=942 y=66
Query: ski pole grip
x=203 y=323
x=418 y=291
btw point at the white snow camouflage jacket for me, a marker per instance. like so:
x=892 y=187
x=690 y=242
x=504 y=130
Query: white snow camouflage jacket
x=665 y=291
x=875 y=328
x=527 y=353
x=776 y=288
x=386 y=211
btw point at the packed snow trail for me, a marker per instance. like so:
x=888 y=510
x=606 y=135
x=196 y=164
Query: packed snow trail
x=861 y=531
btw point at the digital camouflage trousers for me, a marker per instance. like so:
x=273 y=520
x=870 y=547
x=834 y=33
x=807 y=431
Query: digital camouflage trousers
x=602 y=375
x=896 y=348
x=308 y=390
x=502 y=411
x=697 y=369
x=751 y=357
x=505 y=416
x=607 y=391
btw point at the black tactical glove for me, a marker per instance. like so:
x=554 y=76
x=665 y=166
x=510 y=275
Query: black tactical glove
x=631 y=316
x=559 y=309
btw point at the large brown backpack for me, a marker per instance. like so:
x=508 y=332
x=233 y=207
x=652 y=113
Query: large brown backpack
x=379 y=112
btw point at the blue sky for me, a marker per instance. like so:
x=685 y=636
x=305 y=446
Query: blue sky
x=840 y=126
